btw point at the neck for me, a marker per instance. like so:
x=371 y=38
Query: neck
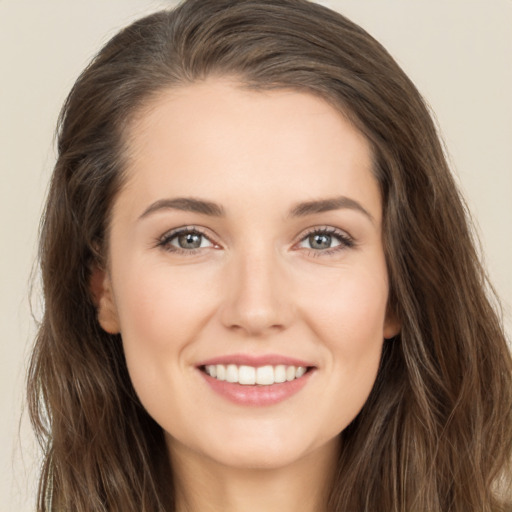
x=208 y=486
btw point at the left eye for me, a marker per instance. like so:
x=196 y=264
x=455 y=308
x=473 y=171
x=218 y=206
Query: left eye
x=324 y=240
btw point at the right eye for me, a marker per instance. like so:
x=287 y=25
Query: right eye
x=186 y=240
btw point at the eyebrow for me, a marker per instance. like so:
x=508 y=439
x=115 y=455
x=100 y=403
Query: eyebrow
x=329 y=204
x=192 y=204
x=186 y=204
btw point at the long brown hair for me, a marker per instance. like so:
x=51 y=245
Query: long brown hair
x=436 y=432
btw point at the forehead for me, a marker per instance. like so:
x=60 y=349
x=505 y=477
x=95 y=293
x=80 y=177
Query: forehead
x=217 y=137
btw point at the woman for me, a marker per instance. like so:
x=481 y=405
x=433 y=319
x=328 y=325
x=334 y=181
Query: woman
x=261 y=290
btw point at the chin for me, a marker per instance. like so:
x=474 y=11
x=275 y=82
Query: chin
x=267 y=458
x=264 y=450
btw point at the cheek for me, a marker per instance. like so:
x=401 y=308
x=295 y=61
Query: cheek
x=159 y=308
x=349 y=321
x=350 y=309
x=160 y=313
x=355 y=327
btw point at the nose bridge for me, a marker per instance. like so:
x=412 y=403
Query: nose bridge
x=256 y=300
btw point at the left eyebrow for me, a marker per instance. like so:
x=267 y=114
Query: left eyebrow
x=329 y=204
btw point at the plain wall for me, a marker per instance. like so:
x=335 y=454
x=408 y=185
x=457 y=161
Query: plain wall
x=457 y=52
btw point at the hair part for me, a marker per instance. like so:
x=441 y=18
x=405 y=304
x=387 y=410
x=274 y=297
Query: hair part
x=436 y=431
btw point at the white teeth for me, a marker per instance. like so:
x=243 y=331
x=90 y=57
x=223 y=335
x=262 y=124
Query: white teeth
x=232 y=373
x=300 y=372
x=249 y=375
x=265 y=375
x=221 y=372
x=280 y=373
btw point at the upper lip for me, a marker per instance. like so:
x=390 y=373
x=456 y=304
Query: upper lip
x=256 y=360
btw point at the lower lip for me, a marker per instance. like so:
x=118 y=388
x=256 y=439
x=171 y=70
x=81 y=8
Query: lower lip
x=257 y=395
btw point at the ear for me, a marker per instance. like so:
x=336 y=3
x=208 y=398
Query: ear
x=103 y=298
x=392 y=324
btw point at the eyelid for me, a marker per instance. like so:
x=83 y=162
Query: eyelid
x=163 y=241
x=346 y=240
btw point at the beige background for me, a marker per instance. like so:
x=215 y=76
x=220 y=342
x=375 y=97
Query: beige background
x=458 y=52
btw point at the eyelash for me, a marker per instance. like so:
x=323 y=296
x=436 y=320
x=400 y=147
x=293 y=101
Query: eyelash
x=345 y=241
x=165 y=241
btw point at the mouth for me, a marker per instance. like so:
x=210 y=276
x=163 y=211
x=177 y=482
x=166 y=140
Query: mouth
x=246 y=375
x=256 y=381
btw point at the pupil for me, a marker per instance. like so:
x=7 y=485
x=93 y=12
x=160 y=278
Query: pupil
x=190 y=241
x=320 y=241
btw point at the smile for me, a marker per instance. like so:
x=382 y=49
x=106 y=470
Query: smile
x=250 y=375
x=251 y=380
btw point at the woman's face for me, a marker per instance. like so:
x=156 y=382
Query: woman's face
x=246 y=245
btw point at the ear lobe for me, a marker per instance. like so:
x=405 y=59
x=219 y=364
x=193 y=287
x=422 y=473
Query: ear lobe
x=103 y=298
x=392 y=325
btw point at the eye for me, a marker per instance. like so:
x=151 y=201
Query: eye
x=321 y=241
x=326 y=241
x=185 y=240
x=189 y=241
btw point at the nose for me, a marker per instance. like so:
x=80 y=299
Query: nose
x=257 y=299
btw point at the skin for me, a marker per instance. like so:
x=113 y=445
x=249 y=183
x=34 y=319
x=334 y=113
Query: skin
x=256 y=286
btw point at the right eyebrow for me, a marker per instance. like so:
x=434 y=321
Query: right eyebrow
x=187 y=204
